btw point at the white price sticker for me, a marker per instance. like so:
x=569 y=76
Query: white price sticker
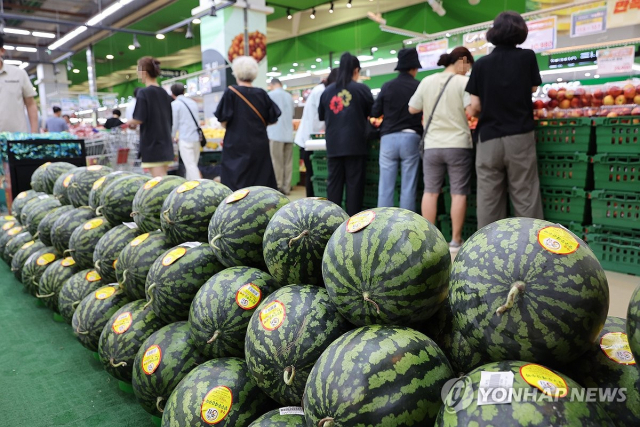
x=495 y=388
x=131 y=225
x=291 y=410
x=192 y=244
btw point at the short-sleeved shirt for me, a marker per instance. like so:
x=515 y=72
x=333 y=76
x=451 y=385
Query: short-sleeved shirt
x=282 y=130
x=57 y=124
x=14 y=88
x=449 y=127
x=393 y=103
x=153 y=109
x=503 y=81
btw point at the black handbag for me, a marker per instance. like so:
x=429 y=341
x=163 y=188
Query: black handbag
x=203 y=139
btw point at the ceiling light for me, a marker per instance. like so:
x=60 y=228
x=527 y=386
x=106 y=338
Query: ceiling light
x=374 y=49
x=292 y=70
x=349 y=4
x=289 y=15
x=76 y=71
x=313 y=66
x=295 y=64
x=12 y=62
x=318 y=59
x=597 y=76
x=336 y=62
x=43 y=35
x=68 y=37
x=189 y=34
x=273 y=74
x=160 y=36
x=587 y=74
x=196 y=21
x=107 y=12
x=313 y=13
x=436 y=5
x=274 y=69
x=17 y=31
x=365 y=57
x=8 y=47
x=132 y=47
x=109 y=56
x=26 y=49
x=559 y=79
x=24 y=65
x=448 y=34
x=331 y=8
x=393 y=52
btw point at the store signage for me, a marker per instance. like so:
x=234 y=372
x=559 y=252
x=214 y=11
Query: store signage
x=172 y=74
x=542 y=34
x=573 y=60
x=429 y=53
x=616 y=61
x=589 y=22
x=623 y=13
x=477 y=43
x=192 y=86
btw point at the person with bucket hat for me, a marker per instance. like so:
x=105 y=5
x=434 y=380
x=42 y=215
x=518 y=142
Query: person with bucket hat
x=400 y=131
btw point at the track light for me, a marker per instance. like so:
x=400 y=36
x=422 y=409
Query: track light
x=196 y=21
x=331 y=8
x=69 y=65
x=160 y=36
x=289 y=15
x=313 y=13
x=349 y=4
x=135 y=45
x=189 y=34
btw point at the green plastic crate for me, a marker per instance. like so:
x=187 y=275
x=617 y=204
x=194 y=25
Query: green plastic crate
x=564 y=205
x=617 y=250
x=564 y=170
x=469 y=227
x=319 y=186
x=618 y=135
x=616 y=209
x=564 y=136
x=319 y=164
x=617 y=172
x=371 y=195
x=472 y=202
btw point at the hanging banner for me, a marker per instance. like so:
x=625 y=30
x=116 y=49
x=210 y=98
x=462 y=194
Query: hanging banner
x=542 y=34
x=589 y=22
x=623 y=13
x=616 y=61
x=477 y=43
x=429 y=53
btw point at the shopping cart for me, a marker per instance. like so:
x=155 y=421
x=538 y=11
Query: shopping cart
x=117 y=149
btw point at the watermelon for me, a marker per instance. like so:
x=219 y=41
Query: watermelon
x=117 y=198
x=9 y=234
x=84 y=239
x=529 y=405
x=123 y=335
x=610 y=365
x=37 y=210
x=61 y=186
x=176 y=276
x=53 y=172
x=238 y=225
x=387 y=266
x=22 y=199
x=14 y=245
x=514 y=298
x=93 y=313
x=217 y=392
x=187 y=210
x=109 y=247
x=37 y=178
x=82 y=182
x=379 y=375
x=296 y=237
x=135 y=261
x=291 y=416
x=286 y=335
x=633 y=323
x=66 y=224
x=33 y=204
x=75 y=289
x=161 y=363
x=35 y=266
x=56 y=274
x=44 y=229
x=7 y=218
x=95 y=196
x=222 y=308
x=23 y=254
x=147 y=204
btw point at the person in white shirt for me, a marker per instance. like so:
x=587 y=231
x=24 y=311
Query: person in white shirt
x=185 y=116
x=281 y=136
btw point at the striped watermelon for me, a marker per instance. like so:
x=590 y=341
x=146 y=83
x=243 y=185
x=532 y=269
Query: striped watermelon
x=82 y=181
x=95 y=196
x=286 y=335
x=93 y=313
x=514 y=299
x=53 y=172
x=291 y=416
x=222 y=308
x=14 y=245
x=32 y=205
x=35 y=266
x=123 y=335
x=44 y=229
x=9 y=234
x=84 y=239
x=6 y=218
x=377 y=375
x=135 y=260
x=109 y=247
x=529 y=405
x=22 y=199
x=66 y=224
x=609 y=364
x=161 y=363
x=117 y=198
x=75 y=289
x=61 y=186
x=187 y=210
x=238 y=225
x=56 y=274
x=296 y=237
x=176 y=276
x=23 y=254
x=217 y=392
x=37 y=211
x=37 y=178
x=395 y=270
x=633 y=323
x=147 y=204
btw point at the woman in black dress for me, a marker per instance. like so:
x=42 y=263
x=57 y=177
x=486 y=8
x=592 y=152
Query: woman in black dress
x=246 y=111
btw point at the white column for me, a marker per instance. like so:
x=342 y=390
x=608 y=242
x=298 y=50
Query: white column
x=52 y=78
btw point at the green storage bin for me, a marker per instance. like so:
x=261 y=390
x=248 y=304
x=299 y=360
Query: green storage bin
x=616 y=209
x=564 y=136
x=469 y=227
x=564 y=170
x=618 y=172
x=617 y=250
x=320 y=165
x=472 y=202
x=564 y=205
x=618 y=135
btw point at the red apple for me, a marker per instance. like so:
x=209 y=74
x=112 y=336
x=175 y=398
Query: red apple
x=603 y=113
x=562 y=94
x=615 y=91
x=636 y=99
x=576 y=103
x=598 y=94
x=596 y=102
x=552 y=93
x=553 y=104
x=621 y=100
x=580 y=92
x=560 y=114
x=570 y=94
x=576 y=113
x=609 y=100
x=624 y=111
x=538 y=104
x=565 y=104
x=612 y=114
x=635 y=111
x=629 y=91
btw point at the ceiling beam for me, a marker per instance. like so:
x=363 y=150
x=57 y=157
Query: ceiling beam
x=13 y=6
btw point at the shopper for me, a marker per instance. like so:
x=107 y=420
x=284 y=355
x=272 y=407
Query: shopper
x=56 y=123
x=281 y=136
x=345 y=106
x=245 y=111
x=17 y=93
x=311 y=124
x=448 y=148
x=401 y=132
x=153 y=114
x=114 y=121
x=132 y=105
x=185 y=125
x=500 y=86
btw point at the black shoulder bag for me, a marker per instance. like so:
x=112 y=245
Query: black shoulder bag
x=428 y=122
x=203 y=139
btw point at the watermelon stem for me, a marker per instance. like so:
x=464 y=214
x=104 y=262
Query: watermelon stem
x=213 y=338
x=326 y=422
x=75 y=304
x=79 y=332
x=289 y=374
x=98 y=210
x=367 y=299
x=166 y=217
x=153 y=285
x=35 y=236
x=300 y=236
x=68 y=251
x=518 y=287
x=134 y=213
x=158 y=400
x=117 y=365
x=45 y=296
x=214 y=240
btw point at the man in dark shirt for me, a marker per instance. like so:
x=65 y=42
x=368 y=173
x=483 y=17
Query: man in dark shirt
x=401 y=132
x=114 y=121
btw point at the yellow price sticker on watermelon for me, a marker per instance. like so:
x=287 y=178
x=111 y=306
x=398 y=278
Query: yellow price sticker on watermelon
x=557 y=240
x=8 y=225
x=238 y=195
x=94 y=168
x=545 y=380
x=68 y=262
x=98 y=183
x=94 y=223
x=273 y=315
x=141 y=238
x=152 y=183
x=92 y=276
x=360 y=221
x=122 y=323
x=173 y=256
x=615 y=346
x=151 y=359
x=28 y=244
x=104 y=293
x=45 y=259
x=9 y=218
x=14 y=231
x=216 y=405
x=189 y=185
x=22 y=195
x=248 y=296
x=67 y=181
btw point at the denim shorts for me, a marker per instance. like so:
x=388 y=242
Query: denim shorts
x=437 y=162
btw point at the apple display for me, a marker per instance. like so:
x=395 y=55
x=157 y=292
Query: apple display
x=580 y=92
x=598 y=94
x=596 y=102
x=624 y=111
x=576 y=103
x=553 y=104
x=553 y=93
x=609 y=100
x=636 y=99
x=562 y=94
x=629 y=91
x=615 y=91
x=538 y=104
x=612 y=114
x=565 y=103
x=635 y=111
x=576 y=113
x=569 y=94
x=621 y=100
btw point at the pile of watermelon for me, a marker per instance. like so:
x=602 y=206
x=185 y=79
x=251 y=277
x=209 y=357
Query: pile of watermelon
x=242 y=308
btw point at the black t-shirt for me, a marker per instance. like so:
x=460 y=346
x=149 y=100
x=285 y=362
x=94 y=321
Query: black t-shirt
x=153 y=109
x=393 y=103
x=345 y=112
x=113 y=122
x=503 y=81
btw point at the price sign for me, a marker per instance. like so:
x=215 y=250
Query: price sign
x=616 y=61
x=542 y=34
x=429 y=53
x=589 y=22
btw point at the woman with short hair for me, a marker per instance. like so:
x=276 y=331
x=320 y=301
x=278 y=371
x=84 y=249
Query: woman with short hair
x=246 y=111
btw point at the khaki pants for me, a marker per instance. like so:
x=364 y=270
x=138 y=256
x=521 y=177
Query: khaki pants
x=190 y=154
x=282 y=159
x=508 y=166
